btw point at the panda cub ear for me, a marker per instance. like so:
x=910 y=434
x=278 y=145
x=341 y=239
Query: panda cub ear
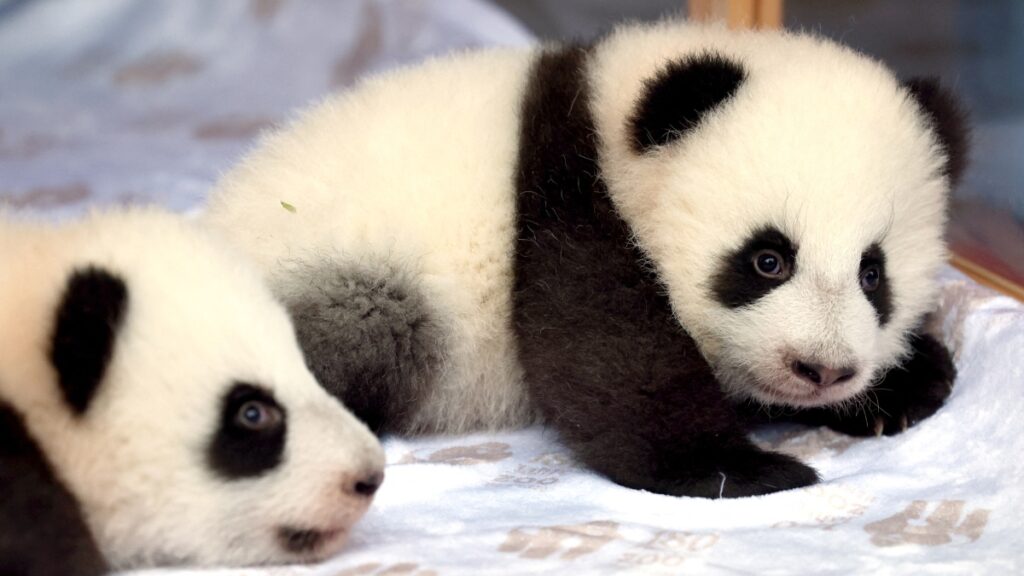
x=675 y=101
x=949 y=120
x=88 y=318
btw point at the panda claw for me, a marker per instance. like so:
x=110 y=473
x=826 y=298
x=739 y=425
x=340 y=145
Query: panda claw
x=879 y=427
x=903 y=423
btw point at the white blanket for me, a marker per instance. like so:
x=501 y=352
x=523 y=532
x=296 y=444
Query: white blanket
x=943 y=498
x=147 y=101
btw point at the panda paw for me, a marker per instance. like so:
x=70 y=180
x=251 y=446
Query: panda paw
x=906 y=395
x=746 y=472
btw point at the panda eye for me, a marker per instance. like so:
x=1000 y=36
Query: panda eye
x=870 y=278
x=771 y=264
x=258 y=415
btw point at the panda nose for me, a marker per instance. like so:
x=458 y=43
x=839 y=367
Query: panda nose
x=821 y=376
x=367 y=485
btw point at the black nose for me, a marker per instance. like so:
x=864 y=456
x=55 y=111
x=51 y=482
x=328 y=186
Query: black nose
x=822 y=376
x=368 y=485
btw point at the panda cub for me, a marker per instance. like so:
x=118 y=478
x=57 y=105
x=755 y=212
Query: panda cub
x=649 y=243
x=155 y=407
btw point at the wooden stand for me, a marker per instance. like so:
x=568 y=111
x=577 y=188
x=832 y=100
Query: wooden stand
x=739 y=13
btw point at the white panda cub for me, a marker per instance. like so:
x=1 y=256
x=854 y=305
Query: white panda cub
x=155 y=407
x=643 y=242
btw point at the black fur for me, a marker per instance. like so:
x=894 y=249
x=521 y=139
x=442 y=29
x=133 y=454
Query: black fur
x=676 y=100
x=89 y=315
x=42 y=531
x=605 y=360
x=237 y=452
x=948 y=119
x=880 y=298
x=737 y=282
x=904 y=396
x=299 y=541
x=370 y=339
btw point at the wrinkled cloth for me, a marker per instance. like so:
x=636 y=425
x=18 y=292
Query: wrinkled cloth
x=129 y=101
x=945 y=497
x=140 y=101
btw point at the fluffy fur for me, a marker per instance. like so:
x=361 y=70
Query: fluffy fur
x=161 y=409
x=371 y=338
x=587 y=224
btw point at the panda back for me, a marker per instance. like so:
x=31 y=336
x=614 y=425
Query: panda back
x=408 y=176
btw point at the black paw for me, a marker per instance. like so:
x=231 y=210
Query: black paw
x=746 y=472
x=906 y=395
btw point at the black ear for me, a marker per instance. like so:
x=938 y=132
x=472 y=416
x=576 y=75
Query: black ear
x=88 y=318
x=948 y=119
x=675 y=100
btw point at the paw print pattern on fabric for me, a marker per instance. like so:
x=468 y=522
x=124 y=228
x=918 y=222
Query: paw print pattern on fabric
x=917 y=525
x=265 y=10
x=463 y=455
x=669 y=549
x=233 y=128
x=560 y=460
x=539 y=473
x=830 y=505
x=158 y=68
x=378 y=569
x=27 y=146
x=43 y=197
x=571 y=541
x=809 y=443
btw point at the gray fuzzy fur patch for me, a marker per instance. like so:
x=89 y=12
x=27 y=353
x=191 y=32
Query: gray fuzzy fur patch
x=369 y=336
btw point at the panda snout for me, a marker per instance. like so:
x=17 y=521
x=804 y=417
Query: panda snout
x=821 y=375
x=365 y=485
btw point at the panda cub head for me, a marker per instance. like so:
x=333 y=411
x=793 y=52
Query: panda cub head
x=166 y=389
x=792 y=195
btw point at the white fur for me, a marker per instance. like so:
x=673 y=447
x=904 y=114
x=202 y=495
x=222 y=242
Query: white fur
x=198 y=319
x=416 y=166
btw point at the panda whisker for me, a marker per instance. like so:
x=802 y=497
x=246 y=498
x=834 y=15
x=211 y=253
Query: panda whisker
x=572 y=104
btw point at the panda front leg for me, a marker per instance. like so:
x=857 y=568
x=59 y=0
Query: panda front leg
x=903 y=396
x=726 y=466
x=644 y=409
x=696 y=463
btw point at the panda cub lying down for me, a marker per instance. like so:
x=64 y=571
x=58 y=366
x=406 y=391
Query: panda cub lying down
x=155 y=407
x=647 y=243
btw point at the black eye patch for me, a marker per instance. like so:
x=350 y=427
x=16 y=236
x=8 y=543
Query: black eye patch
x=872 y=262
x=738 y=283
x=250 y=436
